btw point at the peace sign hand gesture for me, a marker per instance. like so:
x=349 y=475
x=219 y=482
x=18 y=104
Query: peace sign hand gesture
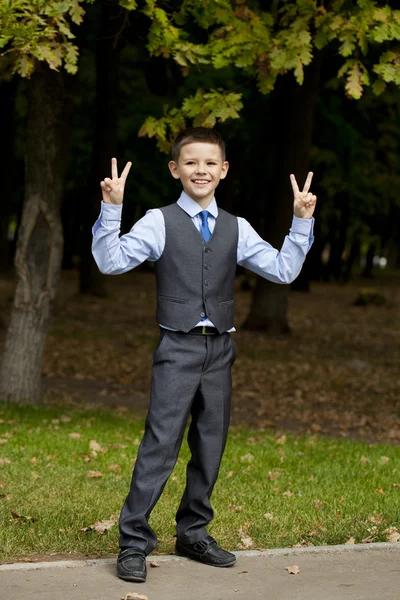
x=113 y=189
x=304 y=202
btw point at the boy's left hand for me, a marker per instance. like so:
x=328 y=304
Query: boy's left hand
x=305 y=201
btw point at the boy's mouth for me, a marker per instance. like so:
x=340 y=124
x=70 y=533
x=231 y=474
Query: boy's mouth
x=200 y=181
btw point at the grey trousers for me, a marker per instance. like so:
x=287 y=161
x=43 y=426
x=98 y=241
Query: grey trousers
x=191 y=375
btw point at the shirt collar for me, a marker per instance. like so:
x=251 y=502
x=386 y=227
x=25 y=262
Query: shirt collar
x=191 y=207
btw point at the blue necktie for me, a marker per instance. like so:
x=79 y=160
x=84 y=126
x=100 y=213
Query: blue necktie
x=205 y=231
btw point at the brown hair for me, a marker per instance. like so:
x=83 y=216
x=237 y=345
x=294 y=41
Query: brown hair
x=197 y=134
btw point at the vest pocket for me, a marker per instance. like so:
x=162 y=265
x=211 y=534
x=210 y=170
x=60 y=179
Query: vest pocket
x=172 y=299
x=225 y=302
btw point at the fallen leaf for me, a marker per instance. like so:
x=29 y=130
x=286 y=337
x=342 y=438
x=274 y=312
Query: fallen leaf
x=384 y=459
x=229 y=474
x=364 y=460
x=93 y=445
x=134 y=596
x=75 y=436
x=240 y=572
x=94 y=474
x=293 y=570
x=5 y=461
x=379 y=491
x=318 y=504
x=235 y=507
x=273 y=475
x=281 y=440
x=246 y=540
x=394 y=536
x=269 y=516
x=114 y=468
x=288 y=494
x=367 y=540
x=101 y=526
x=351 y=541
x=3 y=441
x=247 y=458
x=154 y=565
x=315 y=428
x=23 y=517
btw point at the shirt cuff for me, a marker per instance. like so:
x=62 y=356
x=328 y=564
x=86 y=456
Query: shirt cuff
x=112 y=212
x=304 y=226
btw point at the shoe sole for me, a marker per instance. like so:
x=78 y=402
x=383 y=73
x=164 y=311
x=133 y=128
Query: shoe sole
x=132 y=578
x=230 y=564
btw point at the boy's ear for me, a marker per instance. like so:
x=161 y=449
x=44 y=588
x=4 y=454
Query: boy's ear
x=174 y=169
x=224 y=170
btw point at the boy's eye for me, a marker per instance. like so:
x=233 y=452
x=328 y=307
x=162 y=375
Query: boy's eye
x=211 y=163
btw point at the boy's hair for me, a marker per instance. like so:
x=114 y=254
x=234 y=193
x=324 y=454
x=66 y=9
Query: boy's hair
x=197 y=134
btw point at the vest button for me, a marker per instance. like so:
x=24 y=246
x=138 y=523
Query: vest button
x=206 y=249
x=206 y=266
x=202 y=314
x=206 y=282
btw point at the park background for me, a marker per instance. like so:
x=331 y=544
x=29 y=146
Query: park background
x=292 y=87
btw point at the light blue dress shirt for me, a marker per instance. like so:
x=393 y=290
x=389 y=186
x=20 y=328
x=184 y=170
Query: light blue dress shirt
x=115 y=254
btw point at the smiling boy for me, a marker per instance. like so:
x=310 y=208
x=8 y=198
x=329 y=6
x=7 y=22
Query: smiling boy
x=195 y=246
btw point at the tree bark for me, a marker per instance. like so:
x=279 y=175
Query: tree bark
x=294 y=111
x=7 y=161
x=40 y=240
x=104 y=139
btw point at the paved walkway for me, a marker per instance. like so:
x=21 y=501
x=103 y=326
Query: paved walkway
x=361 y=572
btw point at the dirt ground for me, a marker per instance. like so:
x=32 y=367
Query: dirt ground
x=337 y=373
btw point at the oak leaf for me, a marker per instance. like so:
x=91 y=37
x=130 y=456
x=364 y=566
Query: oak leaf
x=293 y=570
x=94 y=474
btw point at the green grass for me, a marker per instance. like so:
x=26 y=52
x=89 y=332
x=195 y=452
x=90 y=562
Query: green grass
x=324 y=493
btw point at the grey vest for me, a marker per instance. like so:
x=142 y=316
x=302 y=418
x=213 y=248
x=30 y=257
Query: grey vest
x=196 y=278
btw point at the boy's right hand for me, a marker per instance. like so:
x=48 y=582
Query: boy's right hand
x=113 y=189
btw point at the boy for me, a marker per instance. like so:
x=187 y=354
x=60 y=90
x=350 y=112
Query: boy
x=195 y=246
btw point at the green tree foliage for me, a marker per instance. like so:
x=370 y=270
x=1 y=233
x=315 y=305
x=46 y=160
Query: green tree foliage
x=266 y=43
x=40 y=31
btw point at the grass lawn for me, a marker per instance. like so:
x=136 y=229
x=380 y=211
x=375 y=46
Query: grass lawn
x=274 y=490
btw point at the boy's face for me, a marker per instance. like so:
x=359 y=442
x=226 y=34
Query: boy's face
x=200 y=169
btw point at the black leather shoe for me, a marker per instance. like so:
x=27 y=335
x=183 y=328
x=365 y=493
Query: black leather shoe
x=206 y=551
x=131 y=565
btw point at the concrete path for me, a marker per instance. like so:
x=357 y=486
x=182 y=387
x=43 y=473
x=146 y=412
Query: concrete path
x=360 y=572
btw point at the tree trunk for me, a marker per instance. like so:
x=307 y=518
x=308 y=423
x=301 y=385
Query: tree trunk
x=40 y=241
x=369 y=261
x=7 y=161
x=294 y=111
x=104 y=139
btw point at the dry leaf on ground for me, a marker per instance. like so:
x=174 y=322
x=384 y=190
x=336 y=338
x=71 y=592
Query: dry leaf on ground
x=293 y=570
x=247 y=458
x=134 y=596
x=94 y=474
x=246 y=541
x=352 y=540
x=101 y=526
x=95 y=446
x=75 y=435
x=23 y=517
x=115 y=468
